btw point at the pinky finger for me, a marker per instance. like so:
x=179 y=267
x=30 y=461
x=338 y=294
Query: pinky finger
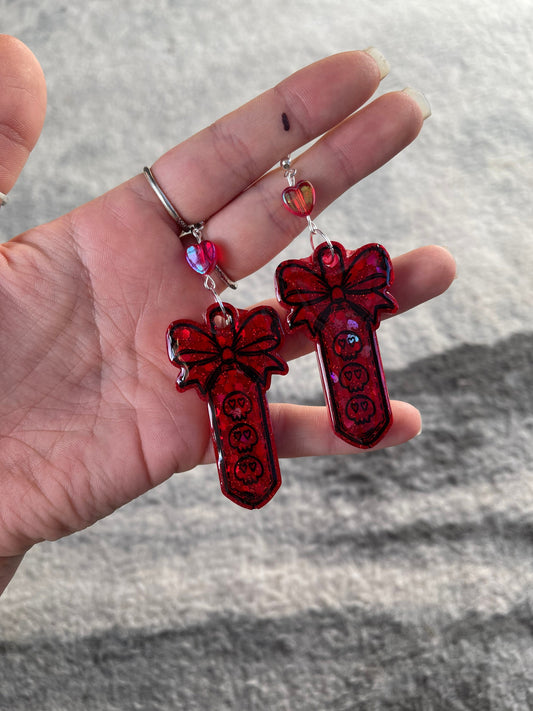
x=306 y=431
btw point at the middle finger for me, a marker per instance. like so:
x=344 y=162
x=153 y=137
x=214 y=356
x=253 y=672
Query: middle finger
x=345 y=155
x=205 y=172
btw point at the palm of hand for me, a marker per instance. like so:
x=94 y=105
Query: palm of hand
x=89 y=415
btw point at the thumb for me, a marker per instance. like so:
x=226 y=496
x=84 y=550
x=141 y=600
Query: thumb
x=22 y=107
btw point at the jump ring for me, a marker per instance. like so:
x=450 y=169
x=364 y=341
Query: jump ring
x=210 y=284
x=315 y=231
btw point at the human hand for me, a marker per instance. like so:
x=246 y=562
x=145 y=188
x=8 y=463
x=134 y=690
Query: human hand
x=89 y=417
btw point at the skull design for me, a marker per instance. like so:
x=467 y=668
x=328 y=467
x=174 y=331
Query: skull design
x=354 y=377
x=347 y=345
x=237 y=405
x=243 y=437
x=248 y=469
x=360 y=409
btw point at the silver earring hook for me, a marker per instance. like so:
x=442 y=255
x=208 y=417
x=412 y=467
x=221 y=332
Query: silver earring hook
x=289 y=172
x=195 y=229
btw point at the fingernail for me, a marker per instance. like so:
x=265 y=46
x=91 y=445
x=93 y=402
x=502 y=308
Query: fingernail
x=420 y=100
x=379 y=59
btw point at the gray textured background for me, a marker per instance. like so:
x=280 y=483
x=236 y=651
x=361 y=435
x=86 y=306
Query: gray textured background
x=396 y=580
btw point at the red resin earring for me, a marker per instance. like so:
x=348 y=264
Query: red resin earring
x=229 y=360
x=337 y=296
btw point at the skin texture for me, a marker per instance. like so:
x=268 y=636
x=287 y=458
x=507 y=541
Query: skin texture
x=94 y=372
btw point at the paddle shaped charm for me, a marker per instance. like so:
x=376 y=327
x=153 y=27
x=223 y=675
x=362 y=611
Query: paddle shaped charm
x=229 y=360
x=337 y=296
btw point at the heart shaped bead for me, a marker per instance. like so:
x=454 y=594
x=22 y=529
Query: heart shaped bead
x=299 y=199
x=202 y=257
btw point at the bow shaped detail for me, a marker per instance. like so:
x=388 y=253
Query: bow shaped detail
x=332 y=279
x=247 y=341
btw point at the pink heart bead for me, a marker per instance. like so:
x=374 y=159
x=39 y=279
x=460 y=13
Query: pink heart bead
x=202 y=257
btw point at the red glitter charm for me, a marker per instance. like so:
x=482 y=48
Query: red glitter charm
x=337 y=295
x=230 y=360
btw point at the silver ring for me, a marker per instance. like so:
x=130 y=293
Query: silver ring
x=185 y=227
x=3 y=199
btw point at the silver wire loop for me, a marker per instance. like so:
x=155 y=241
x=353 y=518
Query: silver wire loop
x=197 y=231
x=288 y=171
x=209 y=283
x=3 y=199
x=186 y=229
x=315 y=231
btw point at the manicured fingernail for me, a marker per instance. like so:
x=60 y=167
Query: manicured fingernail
x=379 y=59
x=420 y=100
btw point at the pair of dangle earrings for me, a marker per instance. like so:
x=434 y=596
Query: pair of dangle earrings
x=336 y=296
